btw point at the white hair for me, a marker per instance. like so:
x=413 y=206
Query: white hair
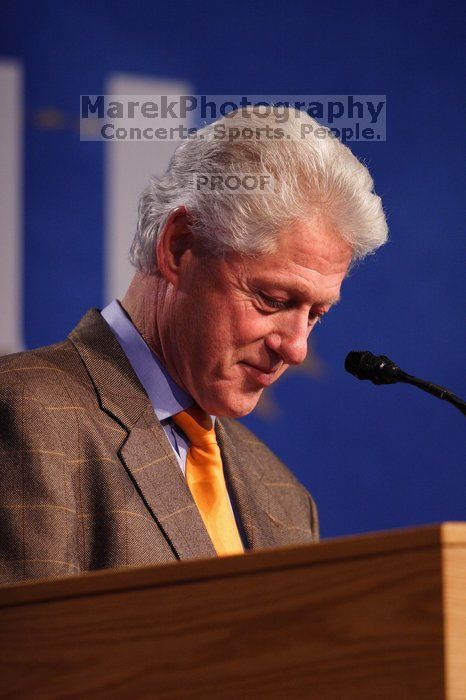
x=313 y=174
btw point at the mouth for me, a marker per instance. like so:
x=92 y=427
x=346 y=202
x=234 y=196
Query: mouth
x=264 y=376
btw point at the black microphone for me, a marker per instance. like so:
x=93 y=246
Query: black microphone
x=380 y=370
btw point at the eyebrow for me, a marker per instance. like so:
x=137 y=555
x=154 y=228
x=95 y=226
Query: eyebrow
x=300 y=293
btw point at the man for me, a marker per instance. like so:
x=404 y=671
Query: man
x=119 y=445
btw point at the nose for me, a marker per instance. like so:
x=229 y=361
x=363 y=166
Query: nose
x=289 y=340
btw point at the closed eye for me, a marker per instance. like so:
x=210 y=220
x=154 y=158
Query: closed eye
x=280 y=304
x=273 y=303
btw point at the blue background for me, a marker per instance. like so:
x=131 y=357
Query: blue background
x=374 y=457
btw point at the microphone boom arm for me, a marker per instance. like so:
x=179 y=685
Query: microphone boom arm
x=380 y=370
x=436 y=390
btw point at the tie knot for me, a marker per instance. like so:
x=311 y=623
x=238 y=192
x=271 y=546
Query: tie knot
x=197 y=425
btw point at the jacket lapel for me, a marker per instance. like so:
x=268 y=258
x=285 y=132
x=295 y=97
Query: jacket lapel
x=259 y=511
x=149 y=458
x=146 y=453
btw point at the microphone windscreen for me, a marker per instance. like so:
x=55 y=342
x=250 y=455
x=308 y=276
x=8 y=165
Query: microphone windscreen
x=354 y=362
x=363 y=364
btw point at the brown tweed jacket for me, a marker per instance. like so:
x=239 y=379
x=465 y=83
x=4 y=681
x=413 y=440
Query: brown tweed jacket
x=88 y=479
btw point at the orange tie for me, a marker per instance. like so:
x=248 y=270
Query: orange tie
x=204 y=474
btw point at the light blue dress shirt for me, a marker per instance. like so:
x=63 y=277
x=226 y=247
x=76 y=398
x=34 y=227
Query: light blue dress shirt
x=166 y=397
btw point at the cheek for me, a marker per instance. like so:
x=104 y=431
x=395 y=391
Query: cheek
x=246 y=327
x=214 y=334
x=256 y=326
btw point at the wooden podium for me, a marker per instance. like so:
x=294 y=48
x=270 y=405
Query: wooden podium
x=376 y=617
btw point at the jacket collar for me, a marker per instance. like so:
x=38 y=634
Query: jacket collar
x=117 y=386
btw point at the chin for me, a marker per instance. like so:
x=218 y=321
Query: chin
x=233 y=405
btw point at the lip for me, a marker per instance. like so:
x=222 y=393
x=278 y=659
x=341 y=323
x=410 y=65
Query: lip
x=262 y=376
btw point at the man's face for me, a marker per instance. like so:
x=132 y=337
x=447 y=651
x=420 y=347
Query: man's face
x=231 y=327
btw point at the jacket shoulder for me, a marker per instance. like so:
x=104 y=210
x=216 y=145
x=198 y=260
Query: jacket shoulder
x=43 y=371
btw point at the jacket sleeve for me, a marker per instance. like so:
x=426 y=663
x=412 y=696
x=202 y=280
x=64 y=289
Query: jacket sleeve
x=38 y=536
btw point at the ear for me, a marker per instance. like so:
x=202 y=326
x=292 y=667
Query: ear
x=174 y=245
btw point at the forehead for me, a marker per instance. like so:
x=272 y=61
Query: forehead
x=310 y=260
